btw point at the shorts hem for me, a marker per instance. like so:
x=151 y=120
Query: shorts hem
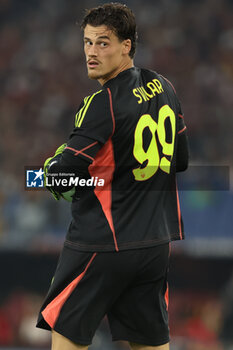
x=73 y=339
x=142 y=341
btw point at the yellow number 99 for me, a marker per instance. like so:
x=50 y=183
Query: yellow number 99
x=151 y=156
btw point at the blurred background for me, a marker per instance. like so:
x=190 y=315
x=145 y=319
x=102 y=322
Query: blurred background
x=43 y=80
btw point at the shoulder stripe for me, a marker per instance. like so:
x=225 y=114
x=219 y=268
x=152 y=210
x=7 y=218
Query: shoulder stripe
x=78 y=115
x=86 y=106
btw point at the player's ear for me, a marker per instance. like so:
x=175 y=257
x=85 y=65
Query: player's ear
x=126 y=46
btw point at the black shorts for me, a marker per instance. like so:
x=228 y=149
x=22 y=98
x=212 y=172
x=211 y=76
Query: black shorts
x=130 y=287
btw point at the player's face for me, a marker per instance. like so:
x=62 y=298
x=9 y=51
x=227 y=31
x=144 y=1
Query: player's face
x=106 y=55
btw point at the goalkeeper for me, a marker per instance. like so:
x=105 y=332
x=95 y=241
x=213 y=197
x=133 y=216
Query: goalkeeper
x=115 y=258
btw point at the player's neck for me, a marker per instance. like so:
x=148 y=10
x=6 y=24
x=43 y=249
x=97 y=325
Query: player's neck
x=126 y=65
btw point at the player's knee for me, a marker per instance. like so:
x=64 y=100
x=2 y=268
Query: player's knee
x=135 y=346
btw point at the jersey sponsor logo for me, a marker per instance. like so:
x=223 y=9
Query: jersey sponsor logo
x=34 y=178
x=145 y=93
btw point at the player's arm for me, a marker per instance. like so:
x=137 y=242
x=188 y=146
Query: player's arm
x=47 y=166
x=75 y=159
x=182 y=155
x=93 y=127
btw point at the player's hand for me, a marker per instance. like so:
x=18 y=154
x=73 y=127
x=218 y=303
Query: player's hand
x=47 y=165
x=68 y=196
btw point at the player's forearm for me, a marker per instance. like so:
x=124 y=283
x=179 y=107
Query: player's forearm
x=74 y=161
x=64 y=166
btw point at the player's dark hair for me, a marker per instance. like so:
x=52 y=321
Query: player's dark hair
x=117 y=17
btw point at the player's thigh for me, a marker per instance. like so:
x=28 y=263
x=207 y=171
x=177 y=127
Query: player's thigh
x=135 y=346
x=140 y=314
x=59 y=342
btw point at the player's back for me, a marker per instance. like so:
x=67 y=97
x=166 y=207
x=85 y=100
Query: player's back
x=138 y=206
x=144 y=199
x=145 y=110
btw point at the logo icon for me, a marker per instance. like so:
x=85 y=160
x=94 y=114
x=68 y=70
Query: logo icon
x=34 y=178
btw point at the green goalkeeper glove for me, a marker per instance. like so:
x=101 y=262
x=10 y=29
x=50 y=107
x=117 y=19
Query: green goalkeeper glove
x=48 y=161
x=66 y=195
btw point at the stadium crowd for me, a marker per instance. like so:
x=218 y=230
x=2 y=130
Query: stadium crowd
x=43 y=80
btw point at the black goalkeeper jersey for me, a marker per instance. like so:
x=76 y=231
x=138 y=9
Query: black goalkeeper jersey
x=127 y=134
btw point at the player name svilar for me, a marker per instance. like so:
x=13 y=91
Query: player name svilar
x=154 y=87
x=73 y=181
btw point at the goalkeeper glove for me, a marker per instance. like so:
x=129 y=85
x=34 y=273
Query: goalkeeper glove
x=66 y=195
